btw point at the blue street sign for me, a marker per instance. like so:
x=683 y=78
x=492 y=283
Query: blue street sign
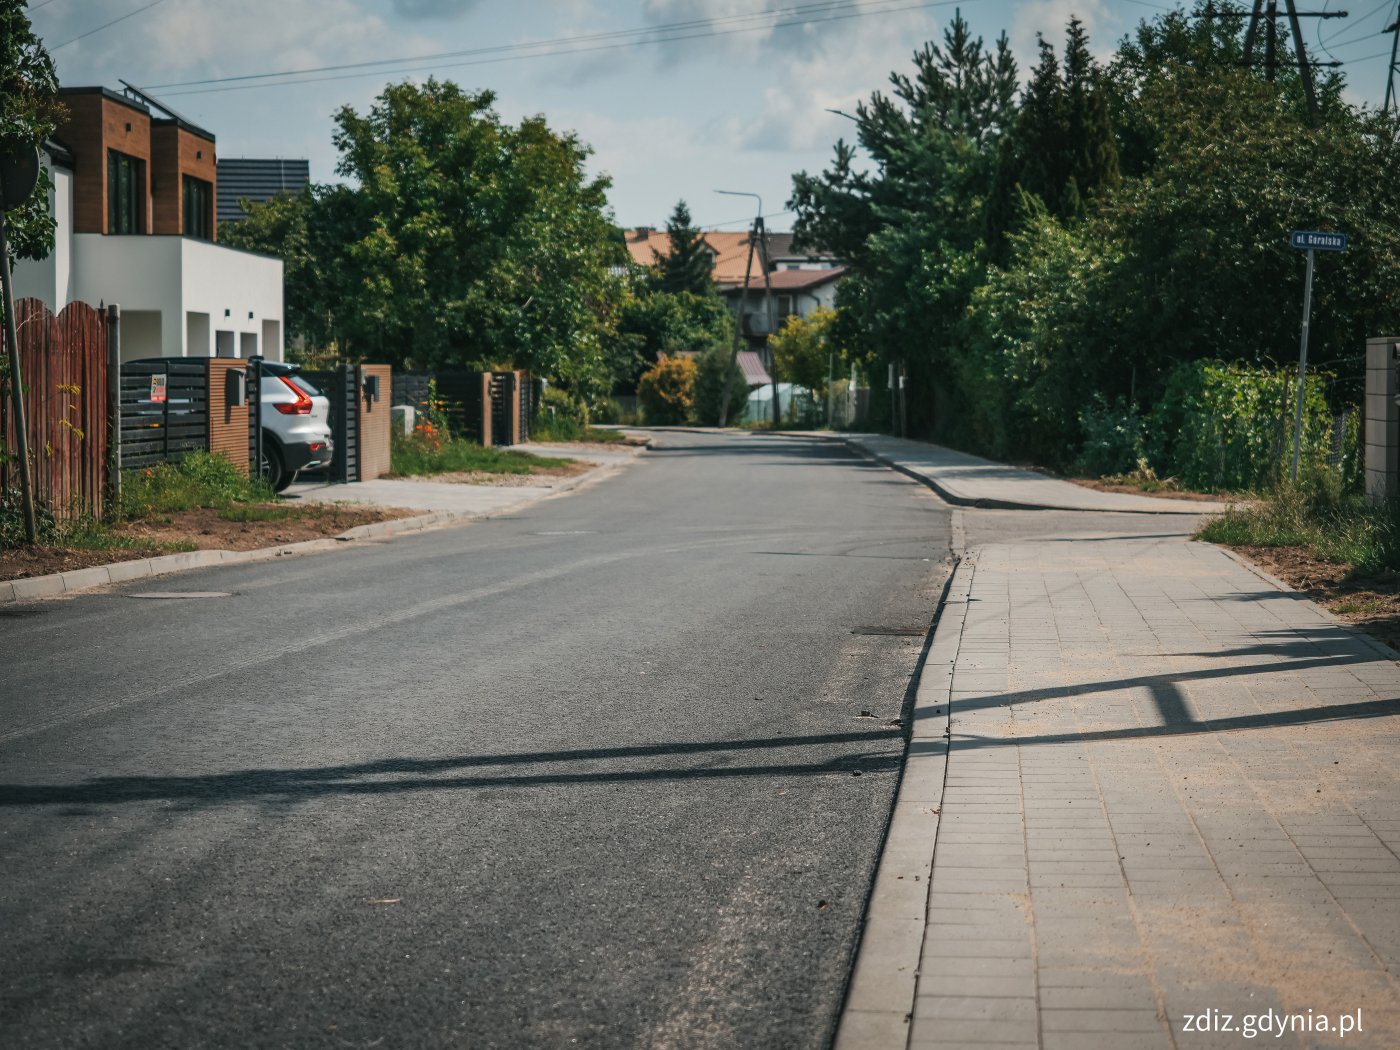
x=1322 y=242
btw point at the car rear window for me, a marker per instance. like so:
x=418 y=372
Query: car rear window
x=305 y=384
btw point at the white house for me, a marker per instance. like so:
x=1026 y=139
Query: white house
x=133 y=199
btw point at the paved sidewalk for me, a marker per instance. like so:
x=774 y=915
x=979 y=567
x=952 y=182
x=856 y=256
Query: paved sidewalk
x=1171 y=787
x=967 y=480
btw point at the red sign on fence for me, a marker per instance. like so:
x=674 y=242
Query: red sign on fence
x=158 y=388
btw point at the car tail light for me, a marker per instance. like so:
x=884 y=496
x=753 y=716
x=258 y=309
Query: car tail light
x=316 y=446
x=301 y=406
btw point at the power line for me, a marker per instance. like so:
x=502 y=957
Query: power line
x=1269 y=13
x=1391 y=94
x=798 y=9
x=106 y=25
x=640 y=37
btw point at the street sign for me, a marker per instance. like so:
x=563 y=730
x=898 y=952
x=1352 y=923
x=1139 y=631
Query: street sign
x=1312 y=240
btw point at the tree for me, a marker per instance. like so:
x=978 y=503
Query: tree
x=688 y=264
x=28 y=87
x=710 y=385
x=652 y=322
x=461 y=242
x=802 y=349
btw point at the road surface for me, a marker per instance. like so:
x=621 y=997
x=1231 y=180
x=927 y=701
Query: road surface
x=610 y=772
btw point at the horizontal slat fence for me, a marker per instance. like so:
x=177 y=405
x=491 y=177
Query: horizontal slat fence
x=166 y=431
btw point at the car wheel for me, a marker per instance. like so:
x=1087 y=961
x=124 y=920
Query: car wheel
x=274 y=470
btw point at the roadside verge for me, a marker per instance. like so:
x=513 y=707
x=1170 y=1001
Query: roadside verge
x=75 y=580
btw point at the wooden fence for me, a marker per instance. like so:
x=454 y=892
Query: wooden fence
x=63 y=362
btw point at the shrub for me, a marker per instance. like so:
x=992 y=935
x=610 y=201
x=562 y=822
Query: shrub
x=560 y=416
x=667 y=391
x=709 y=387
x=201 y=479
x=1113 y=437
x=1223 y=426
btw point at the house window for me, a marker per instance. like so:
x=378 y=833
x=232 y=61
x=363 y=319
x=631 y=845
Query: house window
x=199 y=208
x=126 y=193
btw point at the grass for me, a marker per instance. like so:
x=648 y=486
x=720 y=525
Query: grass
x=413 y=456
x=1143 y=478
x=199 y=480
x=547 y=428
x=1342 y=528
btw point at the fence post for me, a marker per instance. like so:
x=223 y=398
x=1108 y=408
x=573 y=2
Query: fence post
x=114 y=411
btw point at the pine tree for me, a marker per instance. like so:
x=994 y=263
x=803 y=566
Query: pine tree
x=688 y=266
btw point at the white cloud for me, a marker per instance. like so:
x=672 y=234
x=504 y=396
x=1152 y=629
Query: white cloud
x=1049 y=19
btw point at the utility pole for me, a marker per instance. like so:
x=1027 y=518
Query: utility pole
x=768 y=311
x=1265 y=14
x=1392 y=93
x=18 y=175
x=757 y=236
x=734 y=349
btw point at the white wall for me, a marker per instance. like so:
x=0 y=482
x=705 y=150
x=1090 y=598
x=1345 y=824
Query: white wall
x=50 y=279
x=141 y=332
x=178 y=276
x=231 y=285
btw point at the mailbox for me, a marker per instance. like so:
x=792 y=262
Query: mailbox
x=235 y=387
x=371 y=387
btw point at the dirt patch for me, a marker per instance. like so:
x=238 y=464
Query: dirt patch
x=1134 y=490
x=1371 y=603
x=197 y=530
x=541 y=477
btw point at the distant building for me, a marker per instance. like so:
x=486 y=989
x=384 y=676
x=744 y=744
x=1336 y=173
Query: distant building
x=729 y=254
x=257 y=179
x=133 y=203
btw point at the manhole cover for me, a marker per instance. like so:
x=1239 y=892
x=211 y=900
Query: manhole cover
x=911 y=632
x=180 y=594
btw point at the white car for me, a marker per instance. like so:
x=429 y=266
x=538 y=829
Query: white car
x=296 y=428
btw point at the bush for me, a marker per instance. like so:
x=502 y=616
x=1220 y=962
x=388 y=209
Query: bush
x=1113 y=438
x=201 y=479
x=1228 y=427
x=1334 y=525
x=423 y=454
x=709 y=387
x=560 y=416
x=667 y=391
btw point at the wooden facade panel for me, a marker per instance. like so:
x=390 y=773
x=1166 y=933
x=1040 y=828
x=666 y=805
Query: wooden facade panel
x=95 y=123
x=228 y=425
x=375 y=423
x=178 y=152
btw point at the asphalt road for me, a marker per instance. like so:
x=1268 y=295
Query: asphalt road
x=597 y=774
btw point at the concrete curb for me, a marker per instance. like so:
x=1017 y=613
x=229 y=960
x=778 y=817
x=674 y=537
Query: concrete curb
x=75 y=580
x=1382 y=650
x=950 y=496
x=880 y=997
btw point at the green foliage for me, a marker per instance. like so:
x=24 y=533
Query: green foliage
x=652 y=322
x=1047 y=272
x=201 y=479
x=47 y=528
x=686 y=266
x=1336 y=526
x=560 y=416
x=1113 y=438
x=666 y=392
x=709 y=387
x=802 y=350
x=423 y=454
x=460 y=241
x=28 y=87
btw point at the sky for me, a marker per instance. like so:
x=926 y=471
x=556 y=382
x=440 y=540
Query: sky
x=677 y=98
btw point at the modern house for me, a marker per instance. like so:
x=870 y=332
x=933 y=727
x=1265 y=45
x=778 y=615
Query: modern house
x=257 y=179
x=133 y=195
